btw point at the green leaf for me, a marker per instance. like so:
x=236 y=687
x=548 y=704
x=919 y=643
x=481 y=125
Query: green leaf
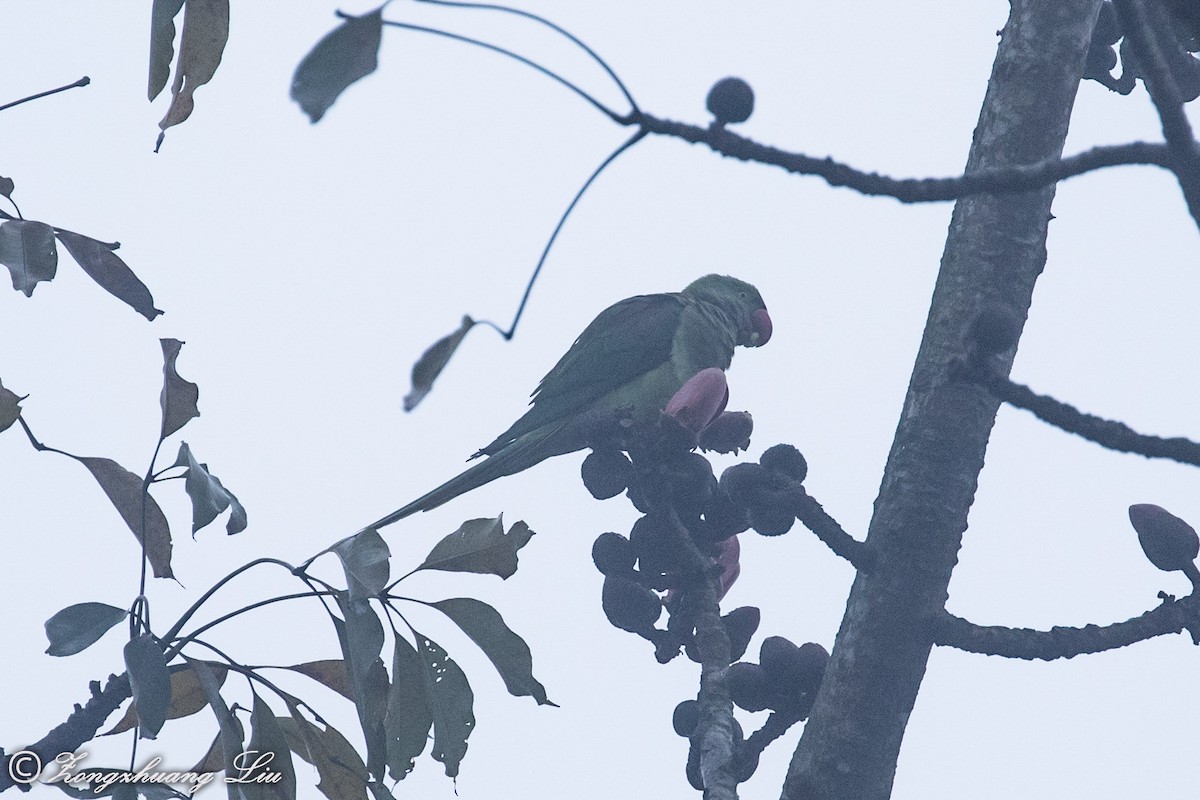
x=431 y=363
x=6 y=187
x=269 y=755
x=330 y=673
x=450 y=701
x=150 y=681
x=27 y=249
x=231 y=734
x=506 y=650
x=113 y=275
x=480 y=546
x=10 y=408
x=178 y=397
x=361 y=637
x=346 y=54
x=124 y=490
x=209 y=497
x=201 y=45
x=162 y=44
x=187 y=696
x=408 y=717
x=341 y=771
x=77 y=627
x=364 y=557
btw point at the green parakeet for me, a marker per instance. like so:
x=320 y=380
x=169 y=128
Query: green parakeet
x=631 y=359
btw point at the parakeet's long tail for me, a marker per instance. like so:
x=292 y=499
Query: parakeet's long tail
x=530 y=449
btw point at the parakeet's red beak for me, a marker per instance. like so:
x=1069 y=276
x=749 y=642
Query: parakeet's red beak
x=760 y=330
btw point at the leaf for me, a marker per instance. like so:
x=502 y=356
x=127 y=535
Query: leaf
x=361 y=638
x=269 y=755
x=6 y=187
x=124 y=490
x=330 y=673
x=481 y=546
x=408 y=717
x=162 y=44
x=231 y=734
x=103 y=266
x=187 y=696
x=150 y=681
x=506 y=650
x=342 y=773
x=27 y=249
x=209 y=497
x=450 y=701
x=364 y=557
x=347 y=53
x=178 y=397
x=205 y=32
x=431 y=363
x=10 y=408
x=77 y=627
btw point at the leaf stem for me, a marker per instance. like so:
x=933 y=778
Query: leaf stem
x=84 y=81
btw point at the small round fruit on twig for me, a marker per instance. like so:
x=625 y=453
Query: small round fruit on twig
x=731 y=100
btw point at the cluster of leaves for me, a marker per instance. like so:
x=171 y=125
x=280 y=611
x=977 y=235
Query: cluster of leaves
x=426 y=690
x=130 y=494
x=1180 y=19
x=28 y=249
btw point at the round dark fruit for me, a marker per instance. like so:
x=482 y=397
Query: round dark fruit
x=606 y=473
x=742 y=481
x=613 y=554
x=748 y=687
x=686 y=717
x=731 y=100
x=771 y=517
x=740 y=625
x=780 y=660
x=692 y=483
x=812 y=659
x=745 y=762
x=785 y=460
x=652 y=543
x=629 y=605
x=728 y=433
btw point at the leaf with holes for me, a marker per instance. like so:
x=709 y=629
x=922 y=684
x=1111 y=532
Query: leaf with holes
x=480 y=546
x=451 y=702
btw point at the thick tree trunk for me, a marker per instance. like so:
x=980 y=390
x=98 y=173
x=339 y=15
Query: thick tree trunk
x=994 y=254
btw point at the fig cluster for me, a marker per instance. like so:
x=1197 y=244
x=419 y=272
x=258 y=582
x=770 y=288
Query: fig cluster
x=785 y=679
x=683 y=505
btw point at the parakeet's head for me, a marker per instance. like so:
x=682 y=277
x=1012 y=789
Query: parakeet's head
x=741 y=301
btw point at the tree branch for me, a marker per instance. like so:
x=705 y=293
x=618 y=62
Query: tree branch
x=1173 y=616
x=816 y=519
x=995 y=251
x=1104 y=432
x=78 y=728
x=1142 y=26
x=1000 y=180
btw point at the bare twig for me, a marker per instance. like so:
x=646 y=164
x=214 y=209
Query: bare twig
x=1173 y=616
x=84 y=81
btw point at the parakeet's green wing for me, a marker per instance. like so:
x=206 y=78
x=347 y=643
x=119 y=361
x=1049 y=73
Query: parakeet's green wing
x=627 y=340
